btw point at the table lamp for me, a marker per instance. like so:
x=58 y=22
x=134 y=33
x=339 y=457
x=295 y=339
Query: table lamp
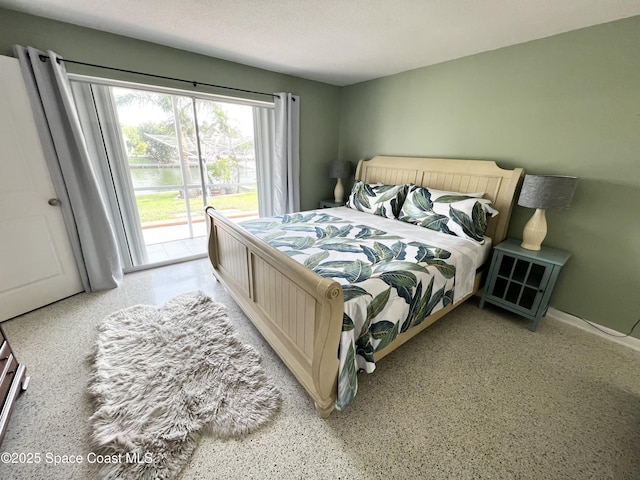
x=543 y=192
x=340 y=169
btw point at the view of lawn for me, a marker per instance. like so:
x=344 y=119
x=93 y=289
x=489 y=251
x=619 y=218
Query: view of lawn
x=154 y=207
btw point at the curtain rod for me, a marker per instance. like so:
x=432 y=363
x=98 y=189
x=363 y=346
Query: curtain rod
x=192 y=82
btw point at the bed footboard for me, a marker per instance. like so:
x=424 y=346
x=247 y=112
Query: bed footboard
x=297 y=311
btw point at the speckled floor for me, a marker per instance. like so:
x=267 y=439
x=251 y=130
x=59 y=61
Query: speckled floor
x=476 y=396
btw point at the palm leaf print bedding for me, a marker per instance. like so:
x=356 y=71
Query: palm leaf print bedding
x=390 y=283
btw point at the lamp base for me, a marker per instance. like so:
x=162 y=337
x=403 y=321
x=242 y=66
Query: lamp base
x=338 y=192
x=535 y=230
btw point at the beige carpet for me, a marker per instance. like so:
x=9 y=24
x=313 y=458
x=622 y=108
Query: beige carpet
x=476 y=396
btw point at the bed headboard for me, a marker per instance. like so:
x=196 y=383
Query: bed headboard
x=466 y=176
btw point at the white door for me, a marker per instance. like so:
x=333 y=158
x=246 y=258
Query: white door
x=36 y=261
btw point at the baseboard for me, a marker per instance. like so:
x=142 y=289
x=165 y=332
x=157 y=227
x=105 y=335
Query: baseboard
x=630 y=342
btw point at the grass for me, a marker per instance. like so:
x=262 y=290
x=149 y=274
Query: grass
x=154 y=207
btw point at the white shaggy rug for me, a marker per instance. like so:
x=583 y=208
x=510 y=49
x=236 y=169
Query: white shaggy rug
x=163 y=376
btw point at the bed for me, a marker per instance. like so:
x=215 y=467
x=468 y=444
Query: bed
x=279 y=272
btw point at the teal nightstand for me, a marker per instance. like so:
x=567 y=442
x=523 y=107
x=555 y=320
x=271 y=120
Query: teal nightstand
x=331 y=204
x=522 y=281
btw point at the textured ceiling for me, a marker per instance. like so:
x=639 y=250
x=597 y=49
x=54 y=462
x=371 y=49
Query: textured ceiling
x=335 y=41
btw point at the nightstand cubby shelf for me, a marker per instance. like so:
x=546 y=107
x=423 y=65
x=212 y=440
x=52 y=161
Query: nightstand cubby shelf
x=522 y=281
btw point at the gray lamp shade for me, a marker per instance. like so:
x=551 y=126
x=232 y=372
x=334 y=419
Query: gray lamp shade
x=547 y=191
x=340 y=169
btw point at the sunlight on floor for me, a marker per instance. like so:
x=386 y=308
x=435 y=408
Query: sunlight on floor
x=174 y=242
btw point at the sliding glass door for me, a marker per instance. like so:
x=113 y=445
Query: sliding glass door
x=168 y=156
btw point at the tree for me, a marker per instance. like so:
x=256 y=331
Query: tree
x=155 y=149
x=224 y=169
x=176 y=119
x=172 y=136
x=134 y=138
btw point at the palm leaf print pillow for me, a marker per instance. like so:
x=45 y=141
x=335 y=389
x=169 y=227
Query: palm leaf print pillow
x=465 y=215
x=379 y=199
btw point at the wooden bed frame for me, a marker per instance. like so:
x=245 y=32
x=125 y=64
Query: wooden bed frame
x=299 y=312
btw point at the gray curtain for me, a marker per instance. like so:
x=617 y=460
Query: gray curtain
x=264 y=136
x=85 y=213
x=286 y=161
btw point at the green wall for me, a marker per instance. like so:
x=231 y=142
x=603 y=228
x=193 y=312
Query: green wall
x=319 y=106
x=568 y=104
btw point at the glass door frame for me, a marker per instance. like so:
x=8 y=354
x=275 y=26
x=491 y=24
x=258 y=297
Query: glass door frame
x=133 y=241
